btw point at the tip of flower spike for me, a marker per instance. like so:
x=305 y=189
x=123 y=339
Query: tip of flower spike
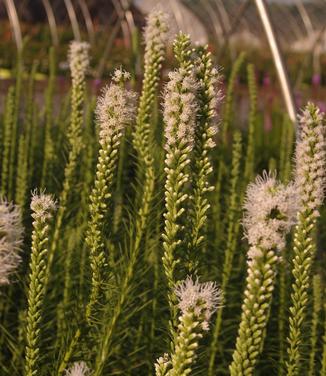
x=201 y=298
x=78 y=56
x=42 y=206
x=311 y=115
x=157 y=29
x=121 y=76
x=115 y=109
x=11 y=233
x=270 y=211
x=78 y=369
x=310 y=158
x=180 y=107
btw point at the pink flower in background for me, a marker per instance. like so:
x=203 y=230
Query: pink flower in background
x=321 y=105
x=298 y=99
x=316 y=79
x=266 y=80
x=96 y=83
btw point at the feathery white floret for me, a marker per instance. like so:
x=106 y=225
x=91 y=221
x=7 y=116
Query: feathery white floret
x=120 y=75
x=180 y=108
x=201 y=298
x=270 y=211
x=310 y=174
x=115 y=108
x=78 y=56
x=11 y=232
x=78 y=369
x=156 y=33
x=42 y=206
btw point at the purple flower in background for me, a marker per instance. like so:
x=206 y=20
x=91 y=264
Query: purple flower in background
x=316 y=79
x=266 y=80
x=61 y=81
x=298 y=99
x=321 y=105
x=268 y=124
x=97 y=83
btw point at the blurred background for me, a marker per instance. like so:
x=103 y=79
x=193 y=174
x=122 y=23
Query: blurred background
x=229 y=27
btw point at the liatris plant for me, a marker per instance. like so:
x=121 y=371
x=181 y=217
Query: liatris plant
x=136 y=216
x=180 y=110
x=79 y=63
x=11 y=232
x=197 y=303
x=115 y=110
x=270 y=210
x=310 y=180
x=42 y=210
x=209 y=99
x=156 y=37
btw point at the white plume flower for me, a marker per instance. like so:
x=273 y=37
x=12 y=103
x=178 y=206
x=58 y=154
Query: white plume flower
x=78 y=56
x=201 y=298
x=11 y=233
x=115 y=108
x=310 y=173
x=120 y=75
x=78 y=369
x=156 y=33
x=271 y=209
x=42 y=206
x=180 y=108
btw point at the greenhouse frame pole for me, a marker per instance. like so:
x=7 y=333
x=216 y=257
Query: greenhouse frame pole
x=73 y=19
x=278 y=58
x=52 y=22
x=14 y=22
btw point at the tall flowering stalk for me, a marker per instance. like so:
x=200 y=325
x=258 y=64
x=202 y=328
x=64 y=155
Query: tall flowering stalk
x=79 y=63
x=197 y=303
x=42 y=208
x=270 y=212
x=209 y=98
x=115 y=110
x=156 y=37
x=180 y=110
x=310 y=180
x=11 y=233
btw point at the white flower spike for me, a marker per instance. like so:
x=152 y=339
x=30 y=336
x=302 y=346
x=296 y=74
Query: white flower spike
x=115 y=108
